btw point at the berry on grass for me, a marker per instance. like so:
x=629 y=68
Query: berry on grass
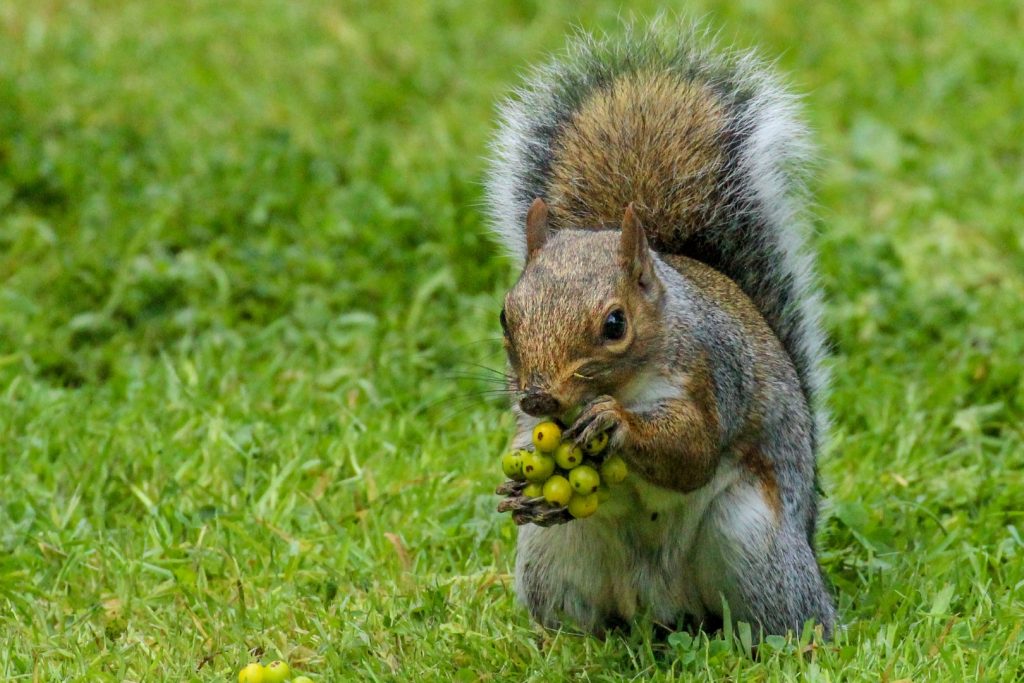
x=252 y=673
x=276 y=672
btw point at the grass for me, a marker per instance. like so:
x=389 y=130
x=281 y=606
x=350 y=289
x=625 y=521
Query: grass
x=242 y=262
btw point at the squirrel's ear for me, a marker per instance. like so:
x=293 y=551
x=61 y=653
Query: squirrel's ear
x=634 y=254
x=536 y=227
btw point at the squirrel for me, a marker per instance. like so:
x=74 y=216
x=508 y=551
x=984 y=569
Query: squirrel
x=653 y=187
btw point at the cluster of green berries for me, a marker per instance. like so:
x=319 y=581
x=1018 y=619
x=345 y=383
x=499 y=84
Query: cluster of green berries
x=275 y=672
x=561 y=472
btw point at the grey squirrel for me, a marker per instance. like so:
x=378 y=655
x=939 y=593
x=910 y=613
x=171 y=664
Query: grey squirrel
x=652 y=186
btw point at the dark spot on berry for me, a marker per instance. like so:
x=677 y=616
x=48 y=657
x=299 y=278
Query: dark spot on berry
x=654 y=516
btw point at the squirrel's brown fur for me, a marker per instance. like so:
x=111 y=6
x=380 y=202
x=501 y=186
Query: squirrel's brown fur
x=652 y=139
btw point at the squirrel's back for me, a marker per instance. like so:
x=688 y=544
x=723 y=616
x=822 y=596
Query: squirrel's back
x=704 y=143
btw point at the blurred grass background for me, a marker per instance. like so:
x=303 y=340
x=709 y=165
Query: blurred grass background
x=243 y=264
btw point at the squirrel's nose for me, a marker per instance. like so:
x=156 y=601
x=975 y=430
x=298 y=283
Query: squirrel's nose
x=539 y=403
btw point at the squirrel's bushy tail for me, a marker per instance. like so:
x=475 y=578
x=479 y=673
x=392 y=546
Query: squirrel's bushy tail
x=705 y=143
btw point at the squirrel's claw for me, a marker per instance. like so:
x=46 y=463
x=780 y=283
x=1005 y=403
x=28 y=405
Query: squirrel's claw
x=512 y=504
x=510 y=487
x=529 y=510
x=603 y=414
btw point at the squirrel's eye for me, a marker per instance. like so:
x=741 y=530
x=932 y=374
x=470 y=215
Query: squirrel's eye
x=614 y=327
x=504 y=322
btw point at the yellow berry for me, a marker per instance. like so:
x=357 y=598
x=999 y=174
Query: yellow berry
x=253 y=673
x=534 y=490
x=546 y=437
x=557 y=490
x=596 y=444
x=614 y=469
x=302 y=679
x=583 y=506
x=538 y=466
x=568 y=455
x=585 y=480
x=603 y=492
x=512 y=465
x=276 y=672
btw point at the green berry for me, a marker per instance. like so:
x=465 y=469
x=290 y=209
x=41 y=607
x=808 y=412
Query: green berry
x=596 y=444
x=534 y=490
x=568 y=455
x=253 y=673
x=276 y=672
x=583 y=506
x=557 y=490
x=603 y=492
x=614 y=469
x=538 y=467
x=585 y=480
x=546 y=437
x=302 y=679
x=512 y=465
x=570 y=415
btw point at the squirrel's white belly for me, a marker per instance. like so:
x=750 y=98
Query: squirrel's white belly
x=658 y=532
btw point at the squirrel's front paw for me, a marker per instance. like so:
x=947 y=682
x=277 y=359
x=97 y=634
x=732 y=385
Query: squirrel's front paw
x=529 y=510
x=603 y=415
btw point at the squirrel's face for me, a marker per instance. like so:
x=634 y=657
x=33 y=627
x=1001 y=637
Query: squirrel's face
x=583 y=318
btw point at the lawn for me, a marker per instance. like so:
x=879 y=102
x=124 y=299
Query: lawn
x=245 y=284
